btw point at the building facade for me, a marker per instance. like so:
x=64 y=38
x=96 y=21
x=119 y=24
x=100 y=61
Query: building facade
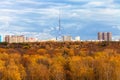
x=67 y=38
x=14 y=38
x=105 y=36
x=7 y=38
x=109 y=36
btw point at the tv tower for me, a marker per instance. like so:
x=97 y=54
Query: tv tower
x=59 y=27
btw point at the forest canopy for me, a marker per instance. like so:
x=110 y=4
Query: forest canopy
x=60 y=61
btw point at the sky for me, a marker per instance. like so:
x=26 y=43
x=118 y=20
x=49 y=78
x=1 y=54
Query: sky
x=40 y=18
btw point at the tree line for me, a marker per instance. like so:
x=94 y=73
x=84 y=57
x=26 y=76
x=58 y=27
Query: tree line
x=63 y=61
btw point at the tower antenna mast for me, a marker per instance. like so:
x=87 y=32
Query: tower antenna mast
x=59 y=27
x=59 y=21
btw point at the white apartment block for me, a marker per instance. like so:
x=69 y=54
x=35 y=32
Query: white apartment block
x=14 y=38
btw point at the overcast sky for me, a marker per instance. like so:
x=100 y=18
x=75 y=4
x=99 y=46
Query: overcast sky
x=39 y=18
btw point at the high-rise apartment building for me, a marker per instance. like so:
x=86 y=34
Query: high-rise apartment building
x=7 y=38
x=105 y=36
x=100 y=36
x=67 y=38
x=14 y=39
x=20 y=39
x=109 y=36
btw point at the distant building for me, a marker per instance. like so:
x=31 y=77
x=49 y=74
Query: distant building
x=14 y=39
x=30 y=39
x=109 y=36
x=0 y=38
x=67 y=38
x=105 y=36
x=77 y=38
x=100 y=36
x=7 y=38
x=20 y=39
x=53 y=39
